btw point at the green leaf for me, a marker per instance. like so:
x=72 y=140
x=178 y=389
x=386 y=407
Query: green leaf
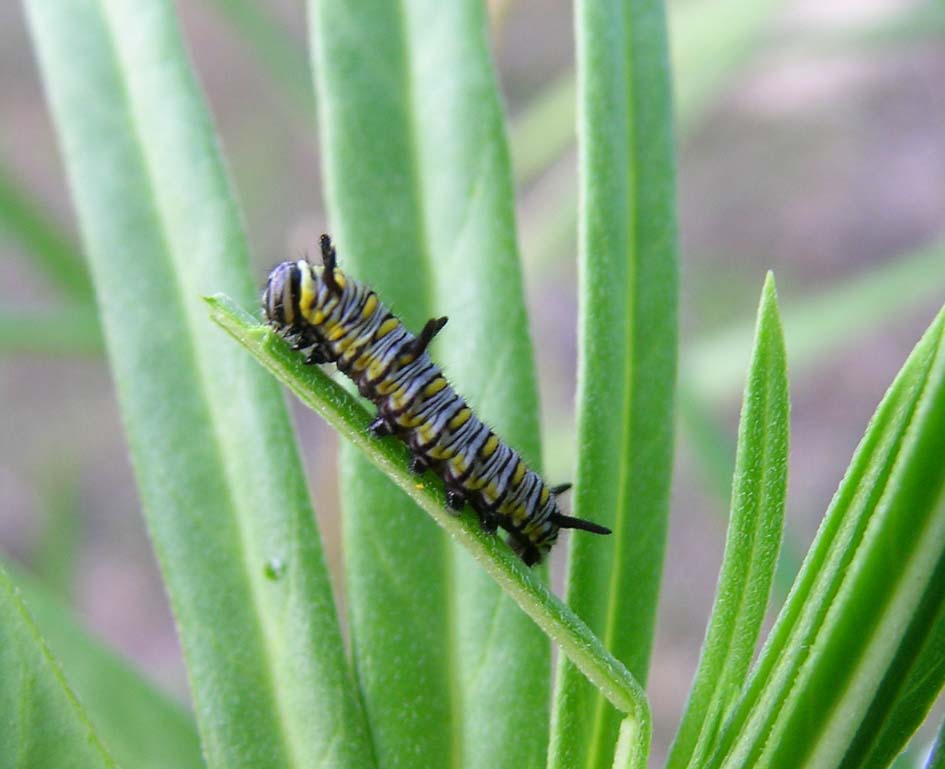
x=143 y=727
x=908 y=689
x=751 y=546
x=711 y=41
x=214 y=456
x=868 y=600
x=396 y=561
x=714 y=451
x=43 y=724
x=627 y=358
x=420 y=195
x=43 y=238
x=345 y=414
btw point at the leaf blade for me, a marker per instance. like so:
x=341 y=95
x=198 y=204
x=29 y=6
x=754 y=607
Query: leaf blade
x=837 y=636
x=627 y=355
x=219 y=476
x=752 y=542
x=420 y=194
x=142 y=726
x=43 y=723
x=346 y=415
x=362 y=75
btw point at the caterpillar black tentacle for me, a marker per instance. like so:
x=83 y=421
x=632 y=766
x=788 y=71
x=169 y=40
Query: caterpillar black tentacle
x=332 y=318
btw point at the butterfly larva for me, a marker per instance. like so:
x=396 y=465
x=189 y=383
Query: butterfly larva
x=335 y=319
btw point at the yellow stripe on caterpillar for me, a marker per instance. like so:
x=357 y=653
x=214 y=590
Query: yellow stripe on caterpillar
x=336 y=319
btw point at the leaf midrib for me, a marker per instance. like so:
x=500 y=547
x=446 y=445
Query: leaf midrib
x=617 y=566
x=191 y=323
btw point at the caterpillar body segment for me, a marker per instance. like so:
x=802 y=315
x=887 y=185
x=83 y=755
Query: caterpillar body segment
x=332 y=318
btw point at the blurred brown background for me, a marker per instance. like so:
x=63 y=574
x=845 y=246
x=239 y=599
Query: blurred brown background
x=811 y=142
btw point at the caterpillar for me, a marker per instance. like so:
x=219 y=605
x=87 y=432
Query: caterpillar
x=332 y=318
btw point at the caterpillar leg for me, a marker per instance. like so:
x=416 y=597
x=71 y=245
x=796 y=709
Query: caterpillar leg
x=315 y=354
x=455 y=500
x=489 y=521
x=380 y=427
x=523 y=549
x=418 y=465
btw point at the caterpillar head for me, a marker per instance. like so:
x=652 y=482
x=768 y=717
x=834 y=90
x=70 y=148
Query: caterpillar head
x=280 y=298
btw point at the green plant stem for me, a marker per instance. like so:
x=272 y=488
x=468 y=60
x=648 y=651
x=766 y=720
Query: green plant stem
x=627 y=357
x=343 y=412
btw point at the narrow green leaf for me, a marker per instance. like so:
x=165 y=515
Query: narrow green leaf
x=868 y=600
x=214 y=456
x=68 y=330
x=345 y=414
x=397 y=564
x=751 y=546
x=502 y=659
x=711 y=40
x=908 y=689
x=714 y=451
x=627 y=358
x=819 y=324
x=42 y=723
x=142 y=726
x=419 y=189
x=43 y=238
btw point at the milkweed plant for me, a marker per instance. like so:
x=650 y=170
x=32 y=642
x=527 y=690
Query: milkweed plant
x=443 y=654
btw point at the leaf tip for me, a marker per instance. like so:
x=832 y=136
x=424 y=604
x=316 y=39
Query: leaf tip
x=768 y=309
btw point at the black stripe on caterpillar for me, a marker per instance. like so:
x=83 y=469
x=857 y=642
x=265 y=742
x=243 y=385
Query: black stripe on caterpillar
x=333 y=318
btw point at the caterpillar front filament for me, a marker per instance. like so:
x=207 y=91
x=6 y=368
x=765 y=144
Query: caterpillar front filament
x=332 y=318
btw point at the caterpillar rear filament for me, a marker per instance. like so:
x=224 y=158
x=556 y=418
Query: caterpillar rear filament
x=332 y=318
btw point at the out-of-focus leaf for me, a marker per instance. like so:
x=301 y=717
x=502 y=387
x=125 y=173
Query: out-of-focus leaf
x=56 y=552
x=276 y=50
x=70 y=329
x=142 y=726
x=43 y=238
x=545 y=128
x=711 y=40
x=42 y=724
x=214 y=455
x=814 y=326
